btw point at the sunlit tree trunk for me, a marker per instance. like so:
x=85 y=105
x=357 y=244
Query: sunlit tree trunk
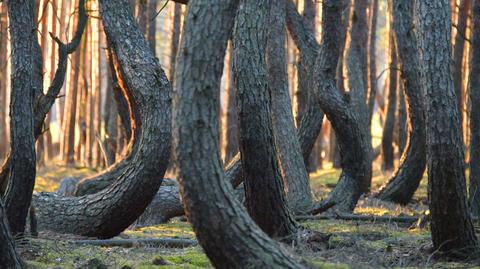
x=451 y=225
x=206 y=194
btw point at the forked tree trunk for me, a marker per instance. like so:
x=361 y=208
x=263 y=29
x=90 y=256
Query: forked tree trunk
x=292 y=166
x=148 y=90
x=264 y=191
x=21 y=173
x=451 y=226
x=207 y=195
x=474 y=90
x=404 y=182
x=9 y=258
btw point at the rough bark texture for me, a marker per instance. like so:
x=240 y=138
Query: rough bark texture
x=264 y=189
x=294 y=172
x=474 y=91
x=21 y=173
x=451 y=225
x=404 y=182
x=356 y=67
x=229 y=237
x=109 y=212
x=354 y=146
x=391 y=106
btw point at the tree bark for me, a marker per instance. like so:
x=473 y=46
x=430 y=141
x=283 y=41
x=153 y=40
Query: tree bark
x=21 y=173
x=401 y=118
x=451 y=226
x=357 y=71
x=474 y=91
x=3 y=85
x=264 y=190
x=9 y=258
x=148 y=90
x=391 y=106
x=372 y=68
x=292 y=166
x=352 y=140
x=152 y=25
x=458 y=51
x=206 y=194
x=231 y=127
x=404 y=182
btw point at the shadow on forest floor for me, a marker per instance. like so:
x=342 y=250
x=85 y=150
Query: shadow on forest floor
x=352 y=244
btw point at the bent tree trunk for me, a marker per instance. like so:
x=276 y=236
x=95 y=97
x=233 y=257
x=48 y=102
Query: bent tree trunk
x=21 y=173
x=404 y=182
x=264 y=192
x=451 y=226
x=353 y=143
x=352 y=140
x=108 y=212
x=294 y=172
x=224 y=230
x=9 y=257
x=474 y=91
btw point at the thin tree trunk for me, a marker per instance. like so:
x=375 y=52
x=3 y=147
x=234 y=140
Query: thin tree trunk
x=231 y=128
x=404 y=182
x=292 y=166
x=21 y=173
x=459 y=50
x=207 y=196
x=152 y=25
x=474 y=91
x=451 y=226
x=3 y=79
x=119 y=205
x=372 y=70
x=264 y=191
x=177 y=20
x=388 y=126
x=401 y=118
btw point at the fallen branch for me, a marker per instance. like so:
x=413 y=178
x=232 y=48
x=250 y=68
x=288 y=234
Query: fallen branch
x=157 y=242
x=373 y=218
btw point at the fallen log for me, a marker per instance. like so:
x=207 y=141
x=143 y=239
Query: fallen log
x=371 y=218
x=127 y=243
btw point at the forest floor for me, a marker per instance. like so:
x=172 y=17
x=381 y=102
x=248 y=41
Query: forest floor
x=352 y=244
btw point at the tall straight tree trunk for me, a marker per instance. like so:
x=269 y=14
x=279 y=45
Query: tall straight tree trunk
x=21 y=174
x=3 y=79
x=401 y=118
x=108 y=212
x=264 y=191
x=231 y=128
x=152 y=25
x=206 y=194
x=474 y=91
x=177 y=21
x=292 y=166
x=459 y=50
x=451 y=225
x=9 y=258
x=372 y=68
x=388 y=126
x=404 y=182
x=68 y=124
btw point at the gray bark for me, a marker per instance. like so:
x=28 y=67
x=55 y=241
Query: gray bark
x=208 y=197
x=21 y=173
x=292 y=166
x=404 y=182
x=451 y=226
x=9 y=258
x=108 y=212
x=264 y=190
